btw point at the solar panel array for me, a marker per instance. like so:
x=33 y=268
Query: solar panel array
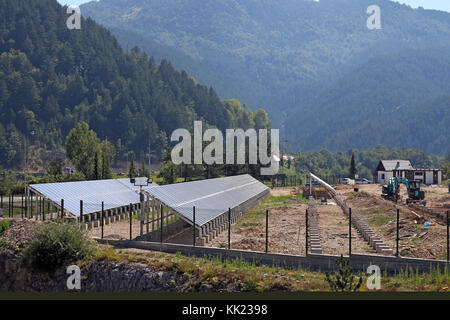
x=211 y=198
x=114 y=193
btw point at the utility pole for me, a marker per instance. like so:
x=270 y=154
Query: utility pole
x=27 y=191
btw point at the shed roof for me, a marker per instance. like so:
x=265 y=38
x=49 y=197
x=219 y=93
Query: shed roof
x=390 y=165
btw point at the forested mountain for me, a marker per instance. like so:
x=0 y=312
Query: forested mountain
x=399 y=100
x=286 y=55
x=51 y=78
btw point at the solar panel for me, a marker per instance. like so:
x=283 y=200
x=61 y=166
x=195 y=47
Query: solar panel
x=114 y=193
x=211 y=198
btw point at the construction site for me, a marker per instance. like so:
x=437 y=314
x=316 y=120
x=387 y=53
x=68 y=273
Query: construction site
x=241 y=213
x=422 y=229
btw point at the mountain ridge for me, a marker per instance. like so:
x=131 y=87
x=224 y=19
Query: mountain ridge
x=280 y=57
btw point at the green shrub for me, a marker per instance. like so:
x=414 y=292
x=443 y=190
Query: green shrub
x=343 y=280
x=55 y=245
x=4 y=225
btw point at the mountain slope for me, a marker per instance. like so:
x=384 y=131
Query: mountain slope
x=281 y=54
x=399 y=100
x=52 y=77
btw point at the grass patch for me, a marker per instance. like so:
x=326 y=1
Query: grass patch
x=7 y=245
x=254 y=277
x=256 y=216
x=379 y=220
x=360 y=194
x=4 y=225
x=378 y=216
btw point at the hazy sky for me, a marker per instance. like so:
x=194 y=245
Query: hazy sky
x=427 y=4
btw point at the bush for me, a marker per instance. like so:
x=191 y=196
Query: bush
x=4 y=225
x=55 y=245
x=343 y=280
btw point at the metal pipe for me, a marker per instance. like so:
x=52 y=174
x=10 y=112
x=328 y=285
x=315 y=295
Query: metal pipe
x=448 y=237
x=229 y=228
x=162 y=222
x=267 y=231
x=131 y=221
x=81 y=211
x=349 y=232
x=398 y=233
x=307 y=232
x=193 y=227
x=103 y=219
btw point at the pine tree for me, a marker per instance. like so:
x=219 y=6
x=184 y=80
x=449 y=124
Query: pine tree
x=96 y=170
x=132 y=173
x=353 y=170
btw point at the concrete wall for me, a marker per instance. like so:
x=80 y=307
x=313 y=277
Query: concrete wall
x=313 y=262
x=387 y=176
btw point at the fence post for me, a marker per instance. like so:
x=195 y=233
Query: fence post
x=267 y=231
x=81 y=211
x=229 y=228
x=193 y=227
x=1 y=201
x=307 y=233
x=62 y=210
x=131 y=221
x=162 y=222
x=9 y=206
x=448 y=237
x=103 y=219
x=43 y=209
x=349 y=232
x=22 y=208
x=398 y=233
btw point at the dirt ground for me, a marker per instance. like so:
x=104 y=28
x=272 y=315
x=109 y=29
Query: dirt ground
x=287 y=224
x=416 y=239
x=119 y=230
x=287 y=231
x=333 y=228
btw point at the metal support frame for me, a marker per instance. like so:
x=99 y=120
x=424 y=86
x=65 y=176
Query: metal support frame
x=193 y=227
x=229 y=228
x=307 y=232
x=267 y=231
x=397 y=254
x=349 y=232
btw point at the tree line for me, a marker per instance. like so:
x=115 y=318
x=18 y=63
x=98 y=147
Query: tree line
x=52 y=78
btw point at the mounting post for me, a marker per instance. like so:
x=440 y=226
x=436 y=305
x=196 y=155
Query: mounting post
x=349 y=232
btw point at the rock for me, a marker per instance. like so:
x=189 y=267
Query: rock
x=206 y=288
